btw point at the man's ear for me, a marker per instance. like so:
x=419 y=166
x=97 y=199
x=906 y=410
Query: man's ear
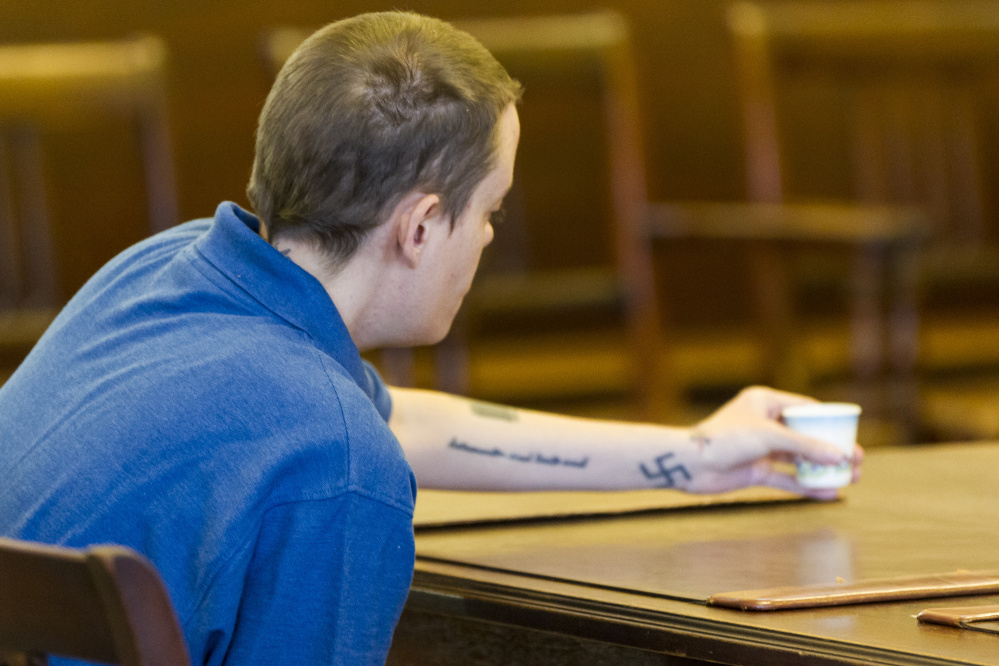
x=413 y=218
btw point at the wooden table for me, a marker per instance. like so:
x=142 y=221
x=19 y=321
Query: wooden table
x=631 y=589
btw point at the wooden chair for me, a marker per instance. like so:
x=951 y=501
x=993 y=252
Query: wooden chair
x=600 y=43
x=562 y=48
x=104 y=604
x=573 y=255
x=883 y=323
x=49 y=89
x=886 y=102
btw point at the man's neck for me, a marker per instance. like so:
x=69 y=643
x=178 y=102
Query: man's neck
x=353 y=288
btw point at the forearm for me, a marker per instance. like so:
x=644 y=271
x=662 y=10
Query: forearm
x=456 y=443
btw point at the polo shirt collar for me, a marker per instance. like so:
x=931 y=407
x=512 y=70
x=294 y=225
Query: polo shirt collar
x=234 y=246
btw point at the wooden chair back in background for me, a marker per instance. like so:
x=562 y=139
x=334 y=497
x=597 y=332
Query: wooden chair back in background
x=50 y=89
x=886 y=103
x=104 y=604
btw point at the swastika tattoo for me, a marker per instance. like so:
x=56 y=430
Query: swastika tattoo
x=665 y=474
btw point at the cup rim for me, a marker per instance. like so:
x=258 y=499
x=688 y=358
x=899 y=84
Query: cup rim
x=821 y=410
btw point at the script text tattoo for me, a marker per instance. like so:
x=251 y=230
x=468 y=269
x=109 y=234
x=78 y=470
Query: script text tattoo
x=521 y=457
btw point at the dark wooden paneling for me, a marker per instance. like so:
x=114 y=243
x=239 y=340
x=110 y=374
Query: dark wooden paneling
x=217 y=86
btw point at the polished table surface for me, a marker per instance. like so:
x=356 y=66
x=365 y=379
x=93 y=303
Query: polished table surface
x=641 y=580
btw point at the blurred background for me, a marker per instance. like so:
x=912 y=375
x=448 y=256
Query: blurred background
x=710 y=268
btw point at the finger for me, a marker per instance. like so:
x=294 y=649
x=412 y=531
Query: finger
x=772 y=402
x=858 y=459
x=759 y=473
x=783 y=440
x=781 y=480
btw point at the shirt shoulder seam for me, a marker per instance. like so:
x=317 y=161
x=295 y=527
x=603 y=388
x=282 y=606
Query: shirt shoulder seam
x=254 y=529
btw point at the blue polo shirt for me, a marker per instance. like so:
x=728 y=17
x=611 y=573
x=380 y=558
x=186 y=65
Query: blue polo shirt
x=200 y=400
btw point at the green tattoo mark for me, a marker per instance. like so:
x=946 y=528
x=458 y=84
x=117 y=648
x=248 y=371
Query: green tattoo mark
x=491 y=411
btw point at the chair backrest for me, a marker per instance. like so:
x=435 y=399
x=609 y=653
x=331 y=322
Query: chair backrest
x=888 y=96
x=105 y=603
x=563 y=60
x=567 y=242
x=58 y=88
x=569 y=55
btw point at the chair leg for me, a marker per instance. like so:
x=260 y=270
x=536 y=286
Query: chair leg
x=398 y=366
x=867 y=330
x=41 y=288
x=451 y=359
x=11 y=269
x=161 y=190
x=904 y=339
x=780 y=341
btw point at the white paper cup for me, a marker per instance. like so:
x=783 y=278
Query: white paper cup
x=832 y=422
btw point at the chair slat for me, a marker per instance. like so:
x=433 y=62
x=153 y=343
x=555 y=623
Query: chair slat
x=104 y=604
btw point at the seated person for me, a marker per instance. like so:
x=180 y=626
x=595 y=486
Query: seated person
x=202 y=398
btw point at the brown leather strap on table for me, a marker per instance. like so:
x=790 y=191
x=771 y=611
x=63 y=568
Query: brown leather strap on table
x=958 y=583
x=959 y=617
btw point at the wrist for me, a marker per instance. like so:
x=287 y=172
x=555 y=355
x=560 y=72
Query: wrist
x=669 y=462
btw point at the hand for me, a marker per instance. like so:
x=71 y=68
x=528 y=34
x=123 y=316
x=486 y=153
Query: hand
x=745 y=444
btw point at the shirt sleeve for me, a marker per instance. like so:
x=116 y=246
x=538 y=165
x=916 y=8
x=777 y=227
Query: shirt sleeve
x=326 y=584
x=377 y=391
